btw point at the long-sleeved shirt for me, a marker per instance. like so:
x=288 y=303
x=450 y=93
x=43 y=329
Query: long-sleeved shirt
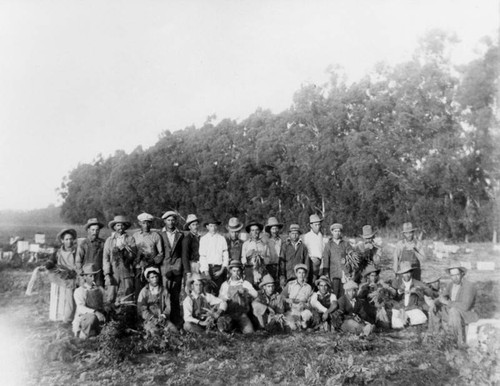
x=334 y=260
x=89 y=252
x=193 y=306
x=275 y=245
x=88 y=299
x=297 y=292
x=291 y=255
x=314 y=244
x=153 y=302
x=213 y=251
x=254 y=246
x=402 y=245
x=117 y=259
x=190 y=250
x=149 y=248
x=224 y=292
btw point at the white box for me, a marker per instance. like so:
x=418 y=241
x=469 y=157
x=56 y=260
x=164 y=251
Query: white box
x=40 y=238
x=485 y=265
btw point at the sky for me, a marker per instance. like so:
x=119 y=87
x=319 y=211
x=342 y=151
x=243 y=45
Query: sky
x=82 y=78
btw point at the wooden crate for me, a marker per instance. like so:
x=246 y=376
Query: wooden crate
x=57 y=300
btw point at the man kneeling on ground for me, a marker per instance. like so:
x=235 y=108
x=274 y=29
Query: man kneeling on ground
x=352 y=312
x=91 y=304
x=202 y=311
x=269 y=306
x=153 y=304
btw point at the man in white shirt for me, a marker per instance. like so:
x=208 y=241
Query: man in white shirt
x=214 y=257
x=313 y=240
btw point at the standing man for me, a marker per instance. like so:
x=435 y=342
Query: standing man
x=234 y=244
x=171 y=267
x=214 y=257
x=149 y=250
x=409 y=249
x=255 y=253
x=314 y=243
x=369 y=249
x=118 y=260
x=292 y=253
x=191 y=246
x=338 y=262
x=90 y=249
x=274 y=242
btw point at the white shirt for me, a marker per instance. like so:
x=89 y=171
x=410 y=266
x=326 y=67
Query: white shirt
x=454 y=291
x=224 y=288
x=251 y=246
x=317 y=305
x=314 y=244
x=187 y=305
x=213 y=250
x=407 y=285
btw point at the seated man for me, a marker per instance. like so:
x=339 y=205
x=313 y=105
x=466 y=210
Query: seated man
x=91 y=304
x=323 y=303
x=377 y=295
x=269 y=306
x=351 y=314
x=153 y=304
x=297 y=294
x=201 y=310
x=410 y=293
x=457 y=303
x=238 y=294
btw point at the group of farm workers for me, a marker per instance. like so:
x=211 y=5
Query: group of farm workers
x=182 y=281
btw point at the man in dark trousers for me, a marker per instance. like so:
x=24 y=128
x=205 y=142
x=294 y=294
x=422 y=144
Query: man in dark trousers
x=171 y=266
x=90 y=250
x=293 y=252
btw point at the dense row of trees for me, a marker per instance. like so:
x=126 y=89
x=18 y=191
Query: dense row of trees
x=410 y=142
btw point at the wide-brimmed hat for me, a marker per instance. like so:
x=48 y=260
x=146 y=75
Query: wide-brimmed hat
x=93 y=221
x=408 y=227
x=336 y=226
x=71 y=231
x=370 y=269
x=368 y=232
x=148 y=270
x=405 y=267
x=235 y=264
x=267 y=279
x=314 y=218
x=120 y=219
x=190 y=219
x=169 y=213
x=300 y=266
x=351 y=284
x=323 y=279
x=90 y=269
x=432 y=277
x=234 y=225
x=272 y=222
x=455 y=266
x=212 y=220
x=252 y=223
x=194 y=277
x=145 y=217
x=294 y=228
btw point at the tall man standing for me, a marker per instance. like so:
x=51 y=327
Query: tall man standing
x=118 y=260
x=149 y=249
x=275 y=243
x=409 y=249
x=214 y=258
x=171 y=266
x=234 y=244
x=293 y=252
x=90 y=250
x=313 y=240
x=255 y=253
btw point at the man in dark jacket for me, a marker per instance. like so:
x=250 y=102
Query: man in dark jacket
x=191 y=246
x=293 y=252
x=171 y=266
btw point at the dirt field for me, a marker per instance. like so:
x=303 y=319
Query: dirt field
x=37 y=351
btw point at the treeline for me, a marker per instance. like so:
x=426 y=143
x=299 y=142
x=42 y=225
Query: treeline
x=413 y=142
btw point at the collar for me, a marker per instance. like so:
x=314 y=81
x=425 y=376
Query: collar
x=167 y=231
x=299 y=241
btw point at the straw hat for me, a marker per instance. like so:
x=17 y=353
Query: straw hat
x=234 y=225
x=235 y=264
x=169 y=213
x=272 y=222
x=120 y=219
x=71 y=231
x=350 y=285
x=267 y=279
x=368 y=233
x=455 y=266
x=93 y=221
x=190 y=219
x=323 y=279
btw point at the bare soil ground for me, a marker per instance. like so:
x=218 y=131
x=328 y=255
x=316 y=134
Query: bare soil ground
x=36 y=351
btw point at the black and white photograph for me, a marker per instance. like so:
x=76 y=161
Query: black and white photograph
x=272 y=192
